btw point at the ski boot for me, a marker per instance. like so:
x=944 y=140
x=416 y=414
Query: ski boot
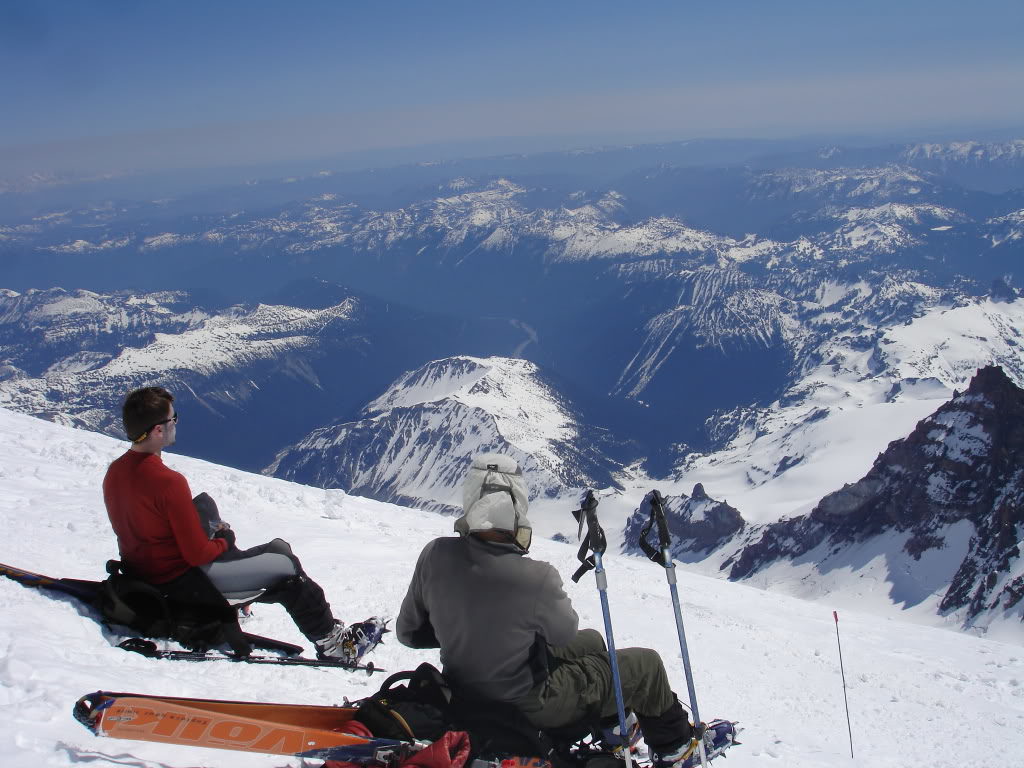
x=351 y=643
x=718 y=736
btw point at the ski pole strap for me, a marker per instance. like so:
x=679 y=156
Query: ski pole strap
x=657 y=554
x=588 y=563
x=595 y=540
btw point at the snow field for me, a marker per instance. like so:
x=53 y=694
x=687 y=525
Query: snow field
x=919 y=696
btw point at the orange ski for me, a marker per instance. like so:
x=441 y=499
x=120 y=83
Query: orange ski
x=279 y=729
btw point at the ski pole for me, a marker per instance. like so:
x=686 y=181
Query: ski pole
x=149 y=649
x=849 y=729
x=663 y=557
x=596 y=543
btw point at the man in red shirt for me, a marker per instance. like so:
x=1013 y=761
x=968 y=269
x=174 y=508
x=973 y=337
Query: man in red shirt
x=161 y=539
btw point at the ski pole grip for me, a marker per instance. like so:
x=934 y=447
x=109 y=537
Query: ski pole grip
x=598 y=543
x=658 y=508
x=653 y=553
x=595 y=540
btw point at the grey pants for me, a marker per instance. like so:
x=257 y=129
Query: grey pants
x=273 y=567
x=580 y=687
x=253 y=569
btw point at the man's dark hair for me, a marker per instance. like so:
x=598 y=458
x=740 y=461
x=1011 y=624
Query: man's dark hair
x=143 y=409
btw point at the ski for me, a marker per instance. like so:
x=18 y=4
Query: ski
x=89 y=592
x=150 y=650
x=319 y=732
x=272 y=644
x=86 y=591
x=300 y=730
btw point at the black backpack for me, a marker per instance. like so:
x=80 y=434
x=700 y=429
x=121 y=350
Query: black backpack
x=424 y=708
x=189 y=609
x=417 y=710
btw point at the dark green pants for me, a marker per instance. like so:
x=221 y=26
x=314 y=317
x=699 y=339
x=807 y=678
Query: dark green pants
x=581 y=687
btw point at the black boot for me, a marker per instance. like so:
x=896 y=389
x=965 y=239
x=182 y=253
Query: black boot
x=669 y=731
x=306 y=604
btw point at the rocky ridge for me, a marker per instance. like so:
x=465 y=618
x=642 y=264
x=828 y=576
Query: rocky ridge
x=697 y=524
x=960 y=467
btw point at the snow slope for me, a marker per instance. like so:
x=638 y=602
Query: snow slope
x=767 y=660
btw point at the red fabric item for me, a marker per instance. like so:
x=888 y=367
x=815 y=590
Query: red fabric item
x=356 y=728
x=150 y=508
x=450 y=751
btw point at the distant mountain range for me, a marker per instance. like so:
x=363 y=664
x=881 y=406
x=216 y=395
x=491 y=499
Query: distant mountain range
x=627 y=288
x=758 y=320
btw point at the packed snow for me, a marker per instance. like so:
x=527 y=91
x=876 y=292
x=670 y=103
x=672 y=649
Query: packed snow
x=919 y=696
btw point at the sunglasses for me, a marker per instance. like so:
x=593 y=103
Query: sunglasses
x=172 y=420
x=144 y=435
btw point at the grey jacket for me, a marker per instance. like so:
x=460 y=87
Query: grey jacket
x=491 y=611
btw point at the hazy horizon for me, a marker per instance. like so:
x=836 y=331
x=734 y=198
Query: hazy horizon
x=122 y=86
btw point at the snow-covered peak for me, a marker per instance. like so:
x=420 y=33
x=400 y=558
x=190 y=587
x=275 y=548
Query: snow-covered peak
x=962 y=151
x=579 y=240
x=1006 y=230
x=416 y=440
x=260 y=332
x=887 y=228
x=888 y=182
x=936 y=517
x=905 y=213
x=529 y=414
x=434 y=381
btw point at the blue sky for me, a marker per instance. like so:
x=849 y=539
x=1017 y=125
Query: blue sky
x=127 y=83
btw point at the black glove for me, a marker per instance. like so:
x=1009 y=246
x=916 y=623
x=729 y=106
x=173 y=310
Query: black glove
x=227 y=534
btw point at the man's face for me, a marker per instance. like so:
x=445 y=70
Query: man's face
x=170 y=427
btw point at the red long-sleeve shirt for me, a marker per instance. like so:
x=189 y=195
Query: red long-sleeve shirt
x=150 y=508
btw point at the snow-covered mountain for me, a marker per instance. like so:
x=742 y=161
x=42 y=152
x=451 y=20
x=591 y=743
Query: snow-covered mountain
x=938 y=516
x=246 y=375
x=48 y=332
x=413 y=444
x=936 y=521
x=764 y=659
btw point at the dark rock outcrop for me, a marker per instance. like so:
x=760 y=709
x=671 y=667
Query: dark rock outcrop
x=697 y=523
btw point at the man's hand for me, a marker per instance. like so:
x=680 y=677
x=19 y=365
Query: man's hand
x=227 y=534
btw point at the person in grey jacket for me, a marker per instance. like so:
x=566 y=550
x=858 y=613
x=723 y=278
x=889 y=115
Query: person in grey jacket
x=508 y=632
